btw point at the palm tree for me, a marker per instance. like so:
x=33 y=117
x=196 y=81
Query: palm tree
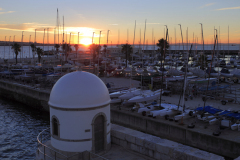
x=76 y=48
x=39 y=53
x=33 y=49
x=57 y=46
x=105 y=49
x=127 y=50
x=162 y=43
x=17 y=48
x=67 y=49
x=95 y=49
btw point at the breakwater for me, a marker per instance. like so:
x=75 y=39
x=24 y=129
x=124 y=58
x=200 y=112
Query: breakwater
x=228 y=146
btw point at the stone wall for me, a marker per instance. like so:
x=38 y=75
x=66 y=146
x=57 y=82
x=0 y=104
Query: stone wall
x=31 y=96
x=37 y=98
x=192 y=137
x=156 y=147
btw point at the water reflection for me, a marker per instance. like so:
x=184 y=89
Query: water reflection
x=20 y=126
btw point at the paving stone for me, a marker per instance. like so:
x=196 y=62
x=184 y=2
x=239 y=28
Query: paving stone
x=150 y=153
x=123 y=143
x=131 y=138
x=156 y=155
x=119 y=134
x=149 y=145
x=115 y=140
x=135 y=147
x=167 y=147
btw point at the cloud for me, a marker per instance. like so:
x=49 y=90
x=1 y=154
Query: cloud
x=207 y=5
x=81 y=16
x=153 y=23
x=221 y=9
x=30 y=27
x=7 y=12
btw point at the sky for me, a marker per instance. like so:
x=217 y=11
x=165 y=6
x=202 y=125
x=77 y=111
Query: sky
x=22 y=17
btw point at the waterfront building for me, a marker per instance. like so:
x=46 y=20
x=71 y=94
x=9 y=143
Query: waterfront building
x=79 y=115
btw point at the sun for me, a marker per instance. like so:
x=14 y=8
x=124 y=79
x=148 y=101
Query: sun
x=86 y=41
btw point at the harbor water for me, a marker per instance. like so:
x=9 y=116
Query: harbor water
x=20 y=126
x=26 y=52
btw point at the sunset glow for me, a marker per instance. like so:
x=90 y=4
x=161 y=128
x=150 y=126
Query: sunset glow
x=86 y=41
x=84 y=22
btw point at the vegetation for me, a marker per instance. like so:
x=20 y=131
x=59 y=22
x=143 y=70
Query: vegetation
x=162 y=44
x=67 y=49
x=95 y=49
x=33 y=49
x=57 y=46
x=17 y=48
x=39 y=53
x=127 y=50
x=76 y=46
x=105 y=49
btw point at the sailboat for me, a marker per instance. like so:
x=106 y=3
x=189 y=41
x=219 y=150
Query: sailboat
x=149 y=96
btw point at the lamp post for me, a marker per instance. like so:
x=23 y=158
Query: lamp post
x=9 y=47
x=21 y=56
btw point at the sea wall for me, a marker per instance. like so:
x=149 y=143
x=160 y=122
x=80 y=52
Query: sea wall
x=228 y=147
x=29 y=95
x=175 y=132
x=156 y=147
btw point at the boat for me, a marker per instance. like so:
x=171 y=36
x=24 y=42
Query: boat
x=212 y=72
x=228 y=65
x=162 y=71
x=144 y=110
x=202 y=80
x=139 y=70
x=119 y=69
x=182 y=71
x=183 y=115
x=225 y=72
x=128 y=70
x=213 y=121
x=115 y=100
x=149 y=96
x=134 y=93
x=235 y=126
x=119 y=93
x=222 y=63
x=152 y=70
x=168 y=109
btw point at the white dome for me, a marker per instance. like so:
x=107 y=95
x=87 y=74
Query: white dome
x=79 y=90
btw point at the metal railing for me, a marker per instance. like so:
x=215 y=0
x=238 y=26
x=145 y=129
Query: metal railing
x=45 y=150
x=43 y=137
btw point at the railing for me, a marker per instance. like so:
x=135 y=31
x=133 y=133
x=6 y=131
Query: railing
x=46 y=150
x=43 y=137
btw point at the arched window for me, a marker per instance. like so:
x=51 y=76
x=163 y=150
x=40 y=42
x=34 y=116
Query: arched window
x=55 y=126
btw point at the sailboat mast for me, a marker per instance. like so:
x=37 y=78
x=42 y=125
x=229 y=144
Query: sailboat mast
x=228 y=39
x=29 y=45
x=63 y=31
x=58 y=25
x=132 y=53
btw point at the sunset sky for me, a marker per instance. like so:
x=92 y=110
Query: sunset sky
x=119 y=17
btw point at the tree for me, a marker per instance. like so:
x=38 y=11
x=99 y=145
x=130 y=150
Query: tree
x=33 y=49
x=39 y=53
x=162 y=43
x=17 y=48
x=67 y=49
x=105 y=49
x=94 y=49
x=76 y=46
x=127 y=50
x=57 y=46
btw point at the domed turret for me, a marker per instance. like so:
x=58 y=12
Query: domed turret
x=80 y=113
